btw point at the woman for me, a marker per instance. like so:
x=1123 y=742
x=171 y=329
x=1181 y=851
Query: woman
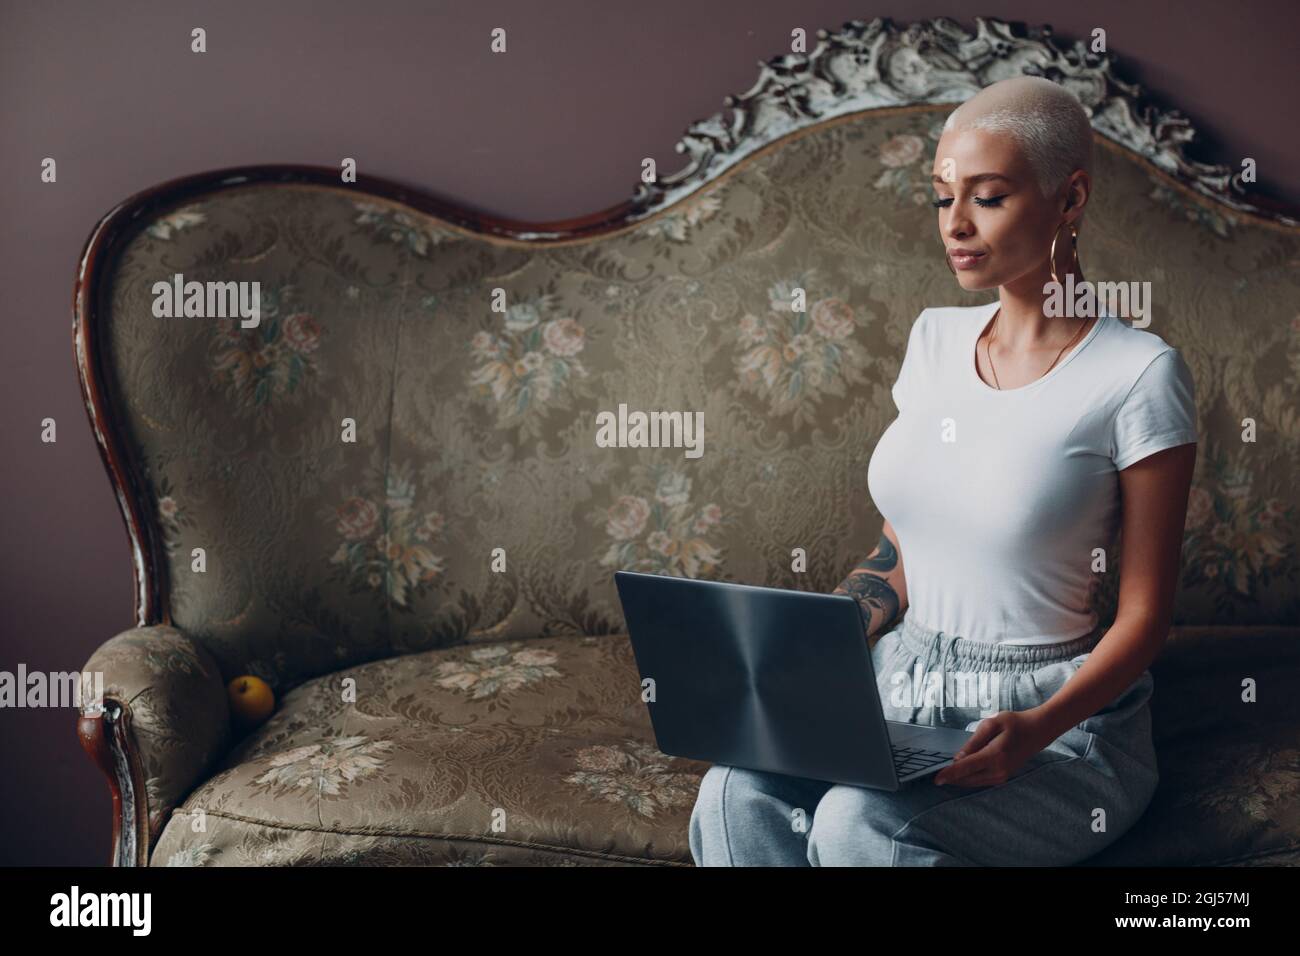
x=1025 y=440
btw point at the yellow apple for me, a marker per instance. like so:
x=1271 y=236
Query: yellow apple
x=251 y=700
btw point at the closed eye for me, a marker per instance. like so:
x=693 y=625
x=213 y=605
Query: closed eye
x=986 y=203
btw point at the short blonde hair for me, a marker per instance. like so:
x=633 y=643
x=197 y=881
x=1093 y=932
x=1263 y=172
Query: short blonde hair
x=1046 y=120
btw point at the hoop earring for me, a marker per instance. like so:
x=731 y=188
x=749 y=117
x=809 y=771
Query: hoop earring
x=1074 y=247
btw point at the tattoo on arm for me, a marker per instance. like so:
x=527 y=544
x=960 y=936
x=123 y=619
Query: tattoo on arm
x=866 y=583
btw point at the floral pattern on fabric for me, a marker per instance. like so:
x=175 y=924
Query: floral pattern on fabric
x=386 y=546
x=325 y=769
x=527 y=362
x=394 y=225
x=635 y=775
x=276 y=359
x=663 y=532
x=792 y=357
x=494 y=669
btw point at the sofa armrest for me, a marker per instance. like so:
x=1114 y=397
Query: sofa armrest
x=164 y=719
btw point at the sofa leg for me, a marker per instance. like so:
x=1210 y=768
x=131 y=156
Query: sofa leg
x=106 y=739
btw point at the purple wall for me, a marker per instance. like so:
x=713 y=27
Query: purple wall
x=557 y=128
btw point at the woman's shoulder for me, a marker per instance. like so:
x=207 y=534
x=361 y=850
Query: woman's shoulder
x=1135 y=346
x=1143 y=383
x=1140 y=332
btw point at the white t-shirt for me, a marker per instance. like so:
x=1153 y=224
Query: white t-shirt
x=999 y=497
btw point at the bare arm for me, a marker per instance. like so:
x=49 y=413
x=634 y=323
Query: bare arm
x=878 y=585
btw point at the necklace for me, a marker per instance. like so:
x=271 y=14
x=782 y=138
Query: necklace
x=988 y=351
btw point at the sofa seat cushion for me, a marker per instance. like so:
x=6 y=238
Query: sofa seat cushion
x=551 y=735
x=1226 y=720
x=531 y=752
x=1223 y=799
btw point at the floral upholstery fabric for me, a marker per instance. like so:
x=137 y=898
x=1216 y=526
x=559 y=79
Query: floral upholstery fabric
x=475 y=443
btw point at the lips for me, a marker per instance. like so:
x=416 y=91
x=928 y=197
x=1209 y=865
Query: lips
x=966 y=261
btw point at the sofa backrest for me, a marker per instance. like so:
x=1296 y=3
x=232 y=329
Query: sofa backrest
x=476 y=430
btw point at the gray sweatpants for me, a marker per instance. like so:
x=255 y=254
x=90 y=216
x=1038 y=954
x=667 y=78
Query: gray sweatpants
x=1067 y=803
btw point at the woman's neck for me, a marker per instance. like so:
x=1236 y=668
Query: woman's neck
x=1021 y=325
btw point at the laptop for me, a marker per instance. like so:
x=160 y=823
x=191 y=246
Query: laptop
x=771 y=679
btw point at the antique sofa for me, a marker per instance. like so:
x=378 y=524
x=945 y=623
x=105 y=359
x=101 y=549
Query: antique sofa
x=438 y=706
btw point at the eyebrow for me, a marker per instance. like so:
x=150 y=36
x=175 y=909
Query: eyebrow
x=980 y=178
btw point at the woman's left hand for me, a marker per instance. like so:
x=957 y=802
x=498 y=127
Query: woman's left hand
x=1000 y=746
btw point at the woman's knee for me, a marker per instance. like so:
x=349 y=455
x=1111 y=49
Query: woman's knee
x=730 y=793
x=853 y=826
x=724 y=782
x=711 y=784
x=750 y=817
x=705 y=835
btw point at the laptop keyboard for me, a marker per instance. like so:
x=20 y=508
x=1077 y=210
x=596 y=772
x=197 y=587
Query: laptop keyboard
x=908 y=760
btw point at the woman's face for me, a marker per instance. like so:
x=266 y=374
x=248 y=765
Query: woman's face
x=989 y=202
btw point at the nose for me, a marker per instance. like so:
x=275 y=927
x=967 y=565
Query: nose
x=957 y=227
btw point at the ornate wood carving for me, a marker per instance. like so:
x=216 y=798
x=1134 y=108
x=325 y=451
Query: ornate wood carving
x=867 y=66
